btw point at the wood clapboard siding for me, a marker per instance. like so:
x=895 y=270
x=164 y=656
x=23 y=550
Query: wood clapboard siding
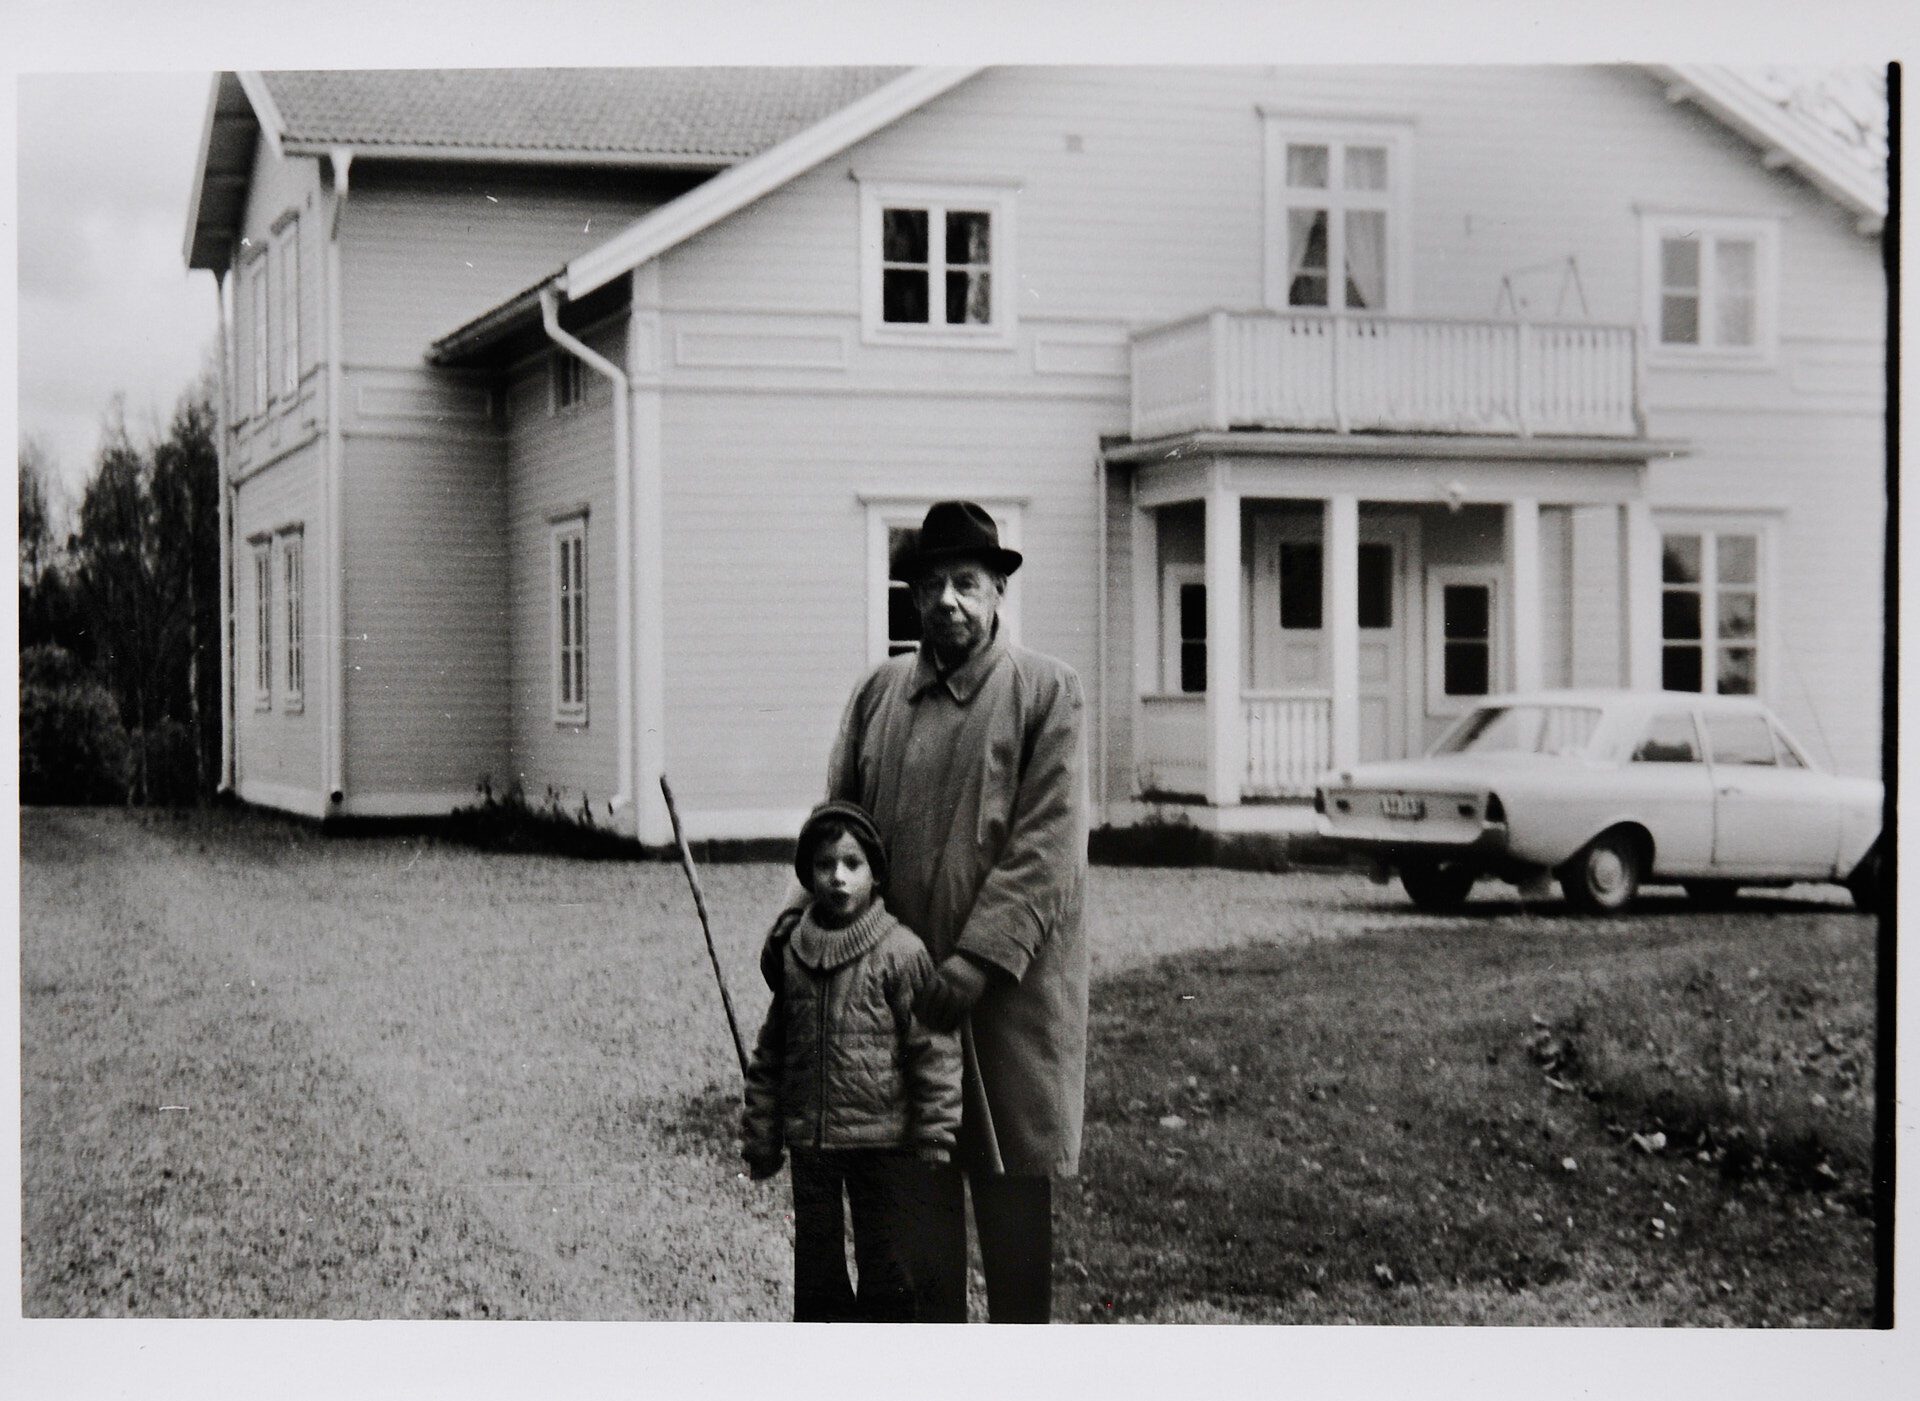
x=426 y=649
x=424 y=249
x=556 y=462
x=766 y=562
x=274 y=746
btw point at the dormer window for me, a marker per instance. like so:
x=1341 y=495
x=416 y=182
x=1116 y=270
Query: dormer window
x=936 y=264
x=1336 y=227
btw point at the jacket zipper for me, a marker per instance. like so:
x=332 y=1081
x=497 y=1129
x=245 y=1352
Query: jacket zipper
x=820 y=1068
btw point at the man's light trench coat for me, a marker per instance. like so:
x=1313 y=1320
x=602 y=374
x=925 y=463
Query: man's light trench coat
x=977 y=783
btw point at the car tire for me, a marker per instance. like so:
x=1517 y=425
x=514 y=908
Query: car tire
x=1604 y=875
x=1867 y=884
x=1712 y=894
x=1438 y=888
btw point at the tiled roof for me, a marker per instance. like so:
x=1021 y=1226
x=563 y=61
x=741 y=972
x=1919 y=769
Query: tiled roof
x=686 y=114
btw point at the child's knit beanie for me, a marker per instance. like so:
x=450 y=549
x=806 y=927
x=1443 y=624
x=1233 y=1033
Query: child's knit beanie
x=858 y=824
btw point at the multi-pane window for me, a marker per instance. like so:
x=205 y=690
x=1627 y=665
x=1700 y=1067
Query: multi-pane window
x=893 y=619
x=262 y=624
x=1302 y=585
x=1183 y=622
x=1333 y=215
x=1710 y=611
x=262 y=352
x=568 y=380
x=287 y=254
x=903 y=619
x=1710 y=286
x=293 y=630
x=1463 y=635
x=569 y=565
x=936 y=263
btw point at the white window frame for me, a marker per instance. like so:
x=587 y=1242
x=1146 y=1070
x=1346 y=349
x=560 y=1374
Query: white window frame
x=262 y=622
x=886 y=512
x=259 y=285
x=1173 y=578
x=997 y=200
x=1439 y=577
x=287 y=338
x=291 y=554
x=571 y=711
x=1709 y=524
x=1656 y=228
x=1395 y=135
x=566 y=382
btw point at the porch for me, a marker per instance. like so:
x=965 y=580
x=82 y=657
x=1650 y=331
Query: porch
x=1302 y=602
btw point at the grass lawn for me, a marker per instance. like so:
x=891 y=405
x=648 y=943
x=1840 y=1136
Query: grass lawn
x=268 y=1073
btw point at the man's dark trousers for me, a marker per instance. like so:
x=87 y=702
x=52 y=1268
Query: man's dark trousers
x=1014 y=1219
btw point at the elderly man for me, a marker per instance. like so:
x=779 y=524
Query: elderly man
x=968 y=754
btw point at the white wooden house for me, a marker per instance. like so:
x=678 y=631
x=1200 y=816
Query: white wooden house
x=571 y=415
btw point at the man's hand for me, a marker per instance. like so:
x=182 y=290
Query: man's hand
x=951 y=992
x=762 y=1166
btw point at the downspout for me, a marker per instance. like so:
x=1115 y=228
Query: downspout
x=222 y=457
x=623 y=797
x=1100 y=641
x=335 y=736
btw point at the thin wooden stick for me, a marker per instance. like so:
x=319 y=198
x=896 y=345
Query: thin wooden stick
x=706 y=925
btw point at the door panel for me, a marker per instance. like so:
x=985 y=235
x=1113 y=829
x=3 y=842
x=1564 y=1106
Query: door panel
x=1767 y=820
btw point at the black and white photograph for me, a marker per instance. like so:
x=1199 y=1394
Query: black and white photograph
x=1083 y=682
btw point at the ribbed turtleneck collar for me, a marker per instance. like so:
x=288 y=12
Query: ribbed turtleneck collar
x=827 y=949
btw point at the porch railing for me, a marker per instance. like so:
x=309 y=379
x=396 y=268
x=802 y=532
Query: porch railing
x=1289 y=741
x=1358 y=372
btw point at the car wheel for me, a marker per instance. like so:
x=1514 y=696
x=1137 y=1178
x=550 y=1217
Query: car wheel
x=1712 y=894
x=1867 y=883
x=1604 y=875
x=1436 y=887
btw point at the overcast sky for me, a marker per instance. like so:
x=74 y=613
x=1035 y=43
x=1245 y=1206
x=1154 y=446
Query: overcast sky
x=106 y=303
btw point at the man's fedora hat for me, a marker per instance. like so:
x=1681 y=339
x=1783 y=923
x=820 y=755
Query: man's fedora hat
x=954 y=530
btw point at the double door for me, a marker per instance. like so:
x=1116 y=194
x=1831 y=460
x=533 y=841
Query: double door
x=1289 y=609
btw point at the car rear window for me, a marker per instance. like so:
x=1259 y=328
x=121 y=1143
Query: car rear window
x=1523 y=729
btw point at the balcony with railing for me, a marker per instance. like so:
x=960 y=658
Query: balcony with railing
x=1361 y=373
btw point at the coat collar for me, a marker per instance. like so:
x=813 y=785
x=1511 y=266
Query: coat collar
x=964 y=683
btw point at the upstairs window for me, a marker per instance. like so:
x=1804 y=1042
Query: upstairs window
x=1336 y=226
x=261 y=351
x=936 y=264
x=287 y=254
x=1710 y=288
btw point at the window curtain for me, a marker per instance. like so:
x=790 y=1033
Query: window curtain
x=1367 y=258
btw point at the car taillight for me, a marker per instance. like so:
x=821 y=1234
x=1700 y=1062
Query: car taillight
x=1496 y=812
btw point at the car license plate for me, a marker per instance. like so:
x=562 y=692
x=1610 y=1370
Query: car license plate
x=1402 y=805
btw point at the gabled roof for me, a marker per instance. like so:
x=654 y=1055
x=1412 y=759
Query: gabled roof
x=697 y=116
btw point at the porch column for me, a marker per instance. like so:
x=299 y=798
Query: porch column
x=1340 y=549
x=1226 y=725
x=1640 y=594
x=1146 y=625
x=1523 y=566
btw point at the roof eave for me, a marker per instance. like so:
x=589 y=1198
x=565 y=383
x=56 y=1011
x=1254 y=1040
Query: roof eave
x=510 y=155
x=203 y=248
x=1822 y=162
x=492 y=326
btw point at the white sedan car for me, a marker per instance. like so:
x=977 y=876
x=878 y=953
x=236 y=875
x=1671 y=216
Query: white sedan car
x=1606 y=789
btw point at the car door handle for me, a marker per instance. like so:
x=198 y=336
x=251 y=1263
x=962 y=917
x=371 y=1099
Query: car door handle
x=1729 y=791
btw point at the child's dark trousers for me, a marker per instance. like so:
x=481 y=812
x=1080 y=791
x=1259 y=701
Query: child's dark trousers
x=883 y=1186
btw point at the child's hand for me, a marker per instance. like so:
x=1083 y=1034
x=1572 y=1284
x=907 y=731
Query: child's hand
x=761 y=1166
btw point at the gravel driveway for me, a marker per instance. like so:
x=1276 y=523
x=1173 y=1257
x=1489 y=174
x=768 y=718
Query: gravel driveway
x=366 y=1039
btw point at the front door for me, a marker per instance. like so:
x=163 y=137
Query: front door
x=1288 y=649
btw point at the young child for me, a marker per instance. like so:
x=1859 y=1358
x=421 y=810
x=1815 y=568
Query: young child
x=846 y=1077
